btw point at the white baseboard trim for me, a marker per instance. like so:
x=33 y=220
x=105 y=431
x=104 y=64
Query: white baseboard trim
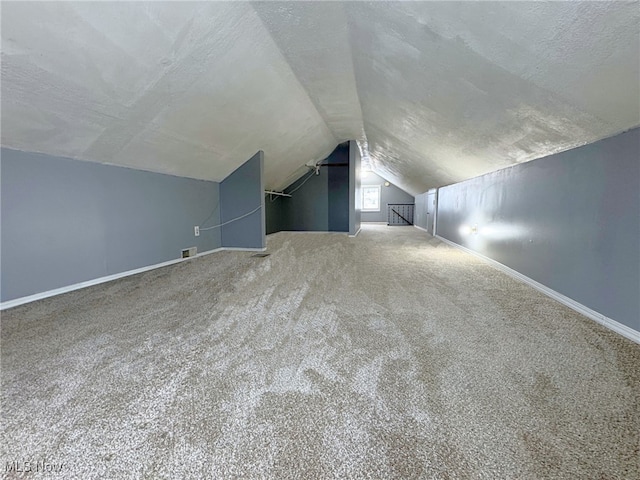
x=355 y=234
x=611 y=324
x=96 y=281
x=421 y=228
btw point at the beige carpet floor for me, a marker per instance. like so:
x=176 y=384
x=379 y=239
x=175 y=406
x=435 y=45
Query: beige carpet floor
x=388 y=355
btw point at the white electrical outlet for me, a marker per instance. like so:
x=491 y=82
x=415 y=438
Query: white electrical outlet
x=196 y=231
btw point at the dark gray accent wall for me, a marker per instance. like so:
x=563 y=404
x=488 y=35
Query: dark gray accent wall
x=65 y=221
x=570 y=221
x=318 y=203
x=308 y=208
x=338 y=189
x=240 y=193
x=355 y=188
x=390 y=194
x=276 y=220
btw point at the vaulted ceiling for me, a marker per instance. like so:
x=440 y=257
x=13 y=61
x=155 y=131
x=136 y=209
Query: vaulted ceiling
x=434 y=92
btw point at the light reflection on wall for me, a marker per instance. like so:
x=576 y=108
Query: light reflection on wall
x=502 y=231
x=465 y=230
x=478 y=235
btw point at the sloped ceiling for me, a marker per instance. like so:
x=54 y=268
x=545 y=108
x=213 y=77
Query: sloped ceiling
x=435 y=92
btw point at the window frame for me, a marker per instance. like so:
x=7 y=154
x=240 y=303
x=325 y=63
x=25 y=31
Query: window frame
x=378 y=189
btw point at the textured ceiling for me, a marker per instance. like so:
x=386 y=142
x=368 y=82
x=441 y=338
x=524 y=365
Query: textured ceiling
x=437 y=92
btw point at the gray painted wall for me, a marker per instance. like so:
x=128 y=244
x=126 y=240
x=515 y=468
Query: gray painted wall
x=338 y=189
x=390 y=194
x=308 y=208
x=570 y=221
x=65 y=221
x=276 y=220
x=320 y=204
x=355 y=189
x=241 y=193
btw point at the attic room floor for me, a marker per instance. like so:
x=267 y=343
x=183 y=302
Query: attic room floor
x=388 y=355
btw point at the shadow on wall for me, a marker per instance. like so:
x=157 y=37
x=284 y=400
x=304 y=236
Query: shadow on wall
x=318 y=203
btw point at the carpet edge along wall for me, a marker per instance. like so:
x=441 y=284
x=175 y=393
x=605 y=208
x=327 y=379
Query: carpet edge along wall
x=570 y=221
x=67 y=221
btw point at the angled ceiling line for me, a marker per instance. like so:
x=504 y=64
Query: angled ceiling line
x=435 y=92
x=372 y=160
x=364 y=148
x=295 y=75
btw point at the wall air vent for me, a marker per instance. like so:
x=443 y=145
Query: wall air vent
x=189 y=252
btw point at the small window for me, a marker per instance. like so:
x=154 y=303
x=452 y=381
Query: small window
x=371 y=198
